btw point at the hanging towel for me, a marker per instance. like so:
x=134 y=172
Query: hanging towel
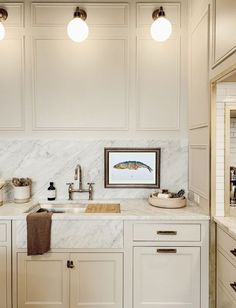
x=38 y=233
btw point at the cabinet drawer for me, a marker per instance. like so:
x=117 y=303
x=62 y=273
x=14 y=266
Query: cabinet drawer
x=226 y=274
x=227 y=244
x=3 y=232
x=167 y=232
x=224 y=299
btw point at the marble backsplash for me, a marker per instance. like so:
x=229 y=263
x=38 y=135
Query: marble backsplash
x=55 y=160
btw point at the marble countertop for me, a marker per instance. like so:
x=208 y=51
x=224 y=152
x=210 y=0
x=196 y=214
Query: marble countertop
x=228 y=224
x=131 y=209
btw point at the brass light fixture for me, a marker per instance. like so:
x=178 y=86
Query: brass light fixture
x=3 y=17
x=161 y=28
x=77 y=28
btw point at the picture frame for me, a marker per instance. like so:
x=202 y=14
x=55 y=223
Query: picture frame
x=132 y=167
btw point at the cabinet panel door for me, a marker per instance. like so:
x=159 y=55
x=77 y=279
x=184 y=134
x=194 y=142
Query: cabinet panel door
x=43 y=281
x=97 y=280
x=167 y=279
x=3 y=277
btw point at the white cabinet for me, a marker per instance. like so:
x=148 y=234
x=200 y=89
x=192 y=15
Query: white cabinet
x=167 y=276
x=43 y=281
x=97 y=280
x=5 y=264
x=226 y=270
x=90 y=280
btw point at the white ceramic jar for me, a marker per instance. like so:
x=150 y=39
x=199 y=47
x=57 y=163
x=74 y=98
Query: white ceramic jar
x=21 y=194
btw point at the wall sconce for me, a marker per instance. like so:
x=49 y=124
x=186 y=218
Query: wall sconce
x=3 y=17
x=77 y=28
x=161 y=28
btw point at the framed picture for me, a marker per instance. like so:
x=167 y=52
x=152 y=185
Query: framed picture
x=132 y=167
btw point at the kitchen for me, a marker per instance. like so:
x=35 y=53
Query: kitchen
x=139 y=120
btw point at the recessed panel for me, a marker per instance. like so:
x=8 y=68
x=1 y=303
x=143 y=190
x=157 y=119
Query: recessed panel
x=59 y=14
x=199 y=111
x=145 y=10
x=158 y=84
x=199 y=169
x=80 y=86
x=224 y=31
x=12 y=85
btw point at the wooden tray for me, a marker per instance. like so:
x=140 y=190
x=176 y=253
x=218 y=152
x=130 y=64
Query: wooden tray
x=103 y=208
x=168 y=203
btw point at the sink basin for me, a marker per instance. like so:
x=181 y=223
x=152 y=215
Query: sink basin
x=78 y=208
x=64 y=208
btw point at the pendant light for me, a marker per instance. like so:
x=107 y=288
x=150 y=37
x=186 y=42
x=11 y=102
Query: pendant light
x=3 y=17
x=77 y=28
x=161 y=28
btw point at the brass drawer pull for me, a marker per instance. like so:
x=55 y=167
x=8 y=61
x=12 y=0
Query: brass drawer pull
x=166 y=250
x=233 y=286
x=167 y=232
x=233 y=252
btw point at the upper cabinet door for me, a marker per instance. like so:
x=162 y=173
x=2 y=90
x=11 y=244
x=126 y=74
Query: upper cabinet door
x=224 y=25
x=97 y=280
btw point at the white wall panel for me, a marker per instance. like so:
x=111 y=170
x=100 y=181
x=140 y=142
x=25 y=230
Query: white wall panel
x=199 y=111
x=158 y=84
x=224 y=35
x=199 y=169
x=80 y=86
x=11 y=83
x=59 y=14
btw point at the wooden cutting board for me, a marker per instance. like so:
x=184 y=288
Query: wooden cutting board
x=103 y=208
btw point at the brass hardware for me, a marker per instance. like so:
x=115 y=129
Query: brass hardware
x=166 y=250
x=70 y=264
x=3 y=14
x=167 y=232
x=233 y=252
x=233 y=286
x=80 y=13
x=158 y=13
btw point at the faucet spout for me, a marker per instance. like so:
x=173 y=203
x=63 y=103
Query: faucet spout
x=78 y=169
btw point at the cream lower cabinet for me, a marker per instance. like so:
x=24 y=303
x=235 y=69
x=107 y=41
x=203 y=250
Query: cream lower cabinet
x=167 y=277
x=91 y=280
x=5 y=264
x=226 y=270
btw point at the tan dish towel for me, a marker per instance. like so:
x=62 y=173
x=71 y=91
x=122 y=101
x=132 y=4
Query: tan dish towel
x=38 y=233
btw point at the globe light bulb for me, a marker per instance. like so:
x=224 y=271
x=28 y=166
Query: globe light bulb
x=77 y=30
x=2 y=31
x=161 y=29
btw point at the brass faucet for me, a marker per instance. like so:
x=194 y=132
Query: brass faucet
x=71 y=190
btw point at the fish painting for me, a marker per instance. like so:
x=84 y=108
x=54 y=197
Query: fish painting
x=132 y=165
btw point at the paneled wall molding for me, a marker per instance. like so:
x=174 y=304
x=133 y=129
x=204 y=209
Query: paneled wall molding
x=119 y=79
x=199 y=160
x=15 y=11
x=199 y=88
x=12 y=62
x=158 y=108
x=45 y=116
x=98 y=14
x=226 y=39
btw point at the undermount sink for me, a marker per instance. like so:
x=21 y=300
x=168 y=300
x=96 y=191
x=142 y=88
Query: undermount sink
x=73 y=208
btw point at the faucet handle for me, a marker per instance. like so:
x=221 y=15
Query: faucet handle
x=70 y=184
x=91 y=184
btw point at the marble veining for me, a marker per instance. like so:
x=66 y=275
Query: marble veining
x=78 y=234
x=55 y=160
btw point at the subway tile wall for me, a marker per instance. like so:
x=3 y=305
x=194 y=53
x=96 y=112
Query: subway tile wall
x=226 y=95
